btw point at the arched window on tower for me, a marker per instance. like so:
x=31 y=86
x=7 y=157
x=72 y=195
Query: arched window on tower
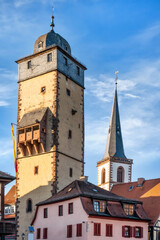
x=29 y=205
x=120 y=174
x=103 y=176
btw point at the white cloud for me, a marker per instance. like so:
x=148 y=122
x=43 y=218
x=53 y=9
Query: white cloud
x=148 y=34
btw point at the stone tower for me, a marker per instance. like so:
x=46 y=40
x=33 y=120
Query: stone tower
x=114 y=167
x=50 y=124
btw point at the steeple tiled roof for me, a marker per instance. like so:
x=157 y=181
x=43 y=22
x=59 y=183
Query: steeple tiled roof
x=114 y=146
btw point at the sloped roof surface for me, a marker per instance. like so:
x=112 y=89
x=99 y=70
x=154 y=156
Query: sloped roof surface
x=10 y=197
x=148 y=193
x=6 y=176
x=31 y=117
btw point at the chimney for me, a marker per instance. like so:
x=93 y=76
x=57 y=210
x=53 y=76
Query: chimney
x=84 y=178
x=140 y=182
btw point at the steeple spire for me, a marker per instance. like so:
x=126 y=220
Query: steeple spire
x=52 y=21
x=114 y=146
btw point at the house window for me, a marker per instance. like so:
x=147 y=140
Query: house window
x=40 y=44
x=45 y=233
x=126 y=231
x=60 y=210
x=29 y=205
x=29 y=64
x=45 y=212
x=70 y=172
x=68 y=92
x=49 y=57
x=120 y=174
x=99 y=206
x=36 y=170
x=97 y=229
x=38 y=233
x=43 y=89
x=103 y=176
x=69 y=134
x=138 y=232
x=78 y=71
x=70 y=208
x=128 y=209
x=65 y=61
x=109 y=230
x=69 y=231
x=79 y=230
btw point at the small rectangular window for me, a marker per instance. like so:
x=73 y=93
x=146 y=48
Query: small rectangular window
x=36 y=170
x=68 y=92
x=126 y=231
x=70 y=172
x=138 y=232
x=29 y=64
x=38 y=233
x=79 y=230
x=97 y=229
x=45 y=212
x=45 y=233
x=69 y=134
x=78 y=71
x=49 y=57
x=43 y=89
x=109 y=230
x=60 y=210
x=70 y=208
x=65 y=61
x=69 y=231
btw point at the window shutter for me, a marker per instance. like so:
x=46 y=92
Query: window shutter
x=141 y=232
x=107 y=230
x=95 y=225
x=130 y=231
x=134 y=232
x=123 y=231
x=111 y=230
x=99 y=229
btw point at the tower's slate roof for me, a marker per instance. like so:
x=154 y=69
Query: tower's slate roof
x=30 y=118
x=114 y=146
x=49 y=39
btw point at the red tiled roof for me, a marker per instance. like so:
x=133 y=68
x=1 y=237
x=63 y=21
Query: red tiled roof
x=10 y=197
x=148 y=193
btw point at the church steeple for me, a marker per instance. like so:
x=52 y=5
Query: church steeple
x=114 y=167
x=114 y=146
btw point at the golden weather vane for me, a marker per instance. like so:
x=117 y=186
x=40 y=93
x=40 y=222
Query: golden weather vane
x=116 y=77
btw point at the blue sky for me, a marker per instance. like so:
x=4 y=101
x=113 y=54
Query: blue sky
x=106 y=35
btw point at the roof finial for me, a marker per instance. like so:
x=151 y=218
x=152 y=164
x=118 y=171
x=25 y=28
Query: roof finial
x=116 y=78
x=52 y=19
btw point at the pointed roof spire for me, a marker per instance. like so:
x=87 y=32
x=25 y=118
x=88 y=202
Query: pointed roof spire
x=114 y=146
x=52 y=20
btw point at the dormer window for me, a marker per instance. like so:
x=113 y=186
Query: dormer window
x=40 y=44
x=99 y=206
x=128 y=209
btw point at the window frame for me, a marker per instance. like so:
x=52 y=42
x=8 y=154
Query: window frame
x=129 y=209
x=29 y=208
x=68 y=92
x=78 y=70
x=38 y=233
x=69 y=231
x=29 y=64
x=45 y=212
x=60 y=210
x=97 y=229
x=45 y=233
x=69 y=134
x=140 y=232
x=109 y=230
x=124 y=231
x=71 y=172
x=70 y=208
x=65 y=61
x=49 y=57
x=36 y=169
x=79 y=230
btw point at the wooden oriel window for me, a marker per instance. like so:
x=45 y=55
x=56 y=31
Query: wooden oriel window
x=69 y=231
x=60 y=210
x=38 y=233
x=97 y=229
x=70 y=208
x=45 y=233
x=45 y=212
x=109 y=230
x=79 y=230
